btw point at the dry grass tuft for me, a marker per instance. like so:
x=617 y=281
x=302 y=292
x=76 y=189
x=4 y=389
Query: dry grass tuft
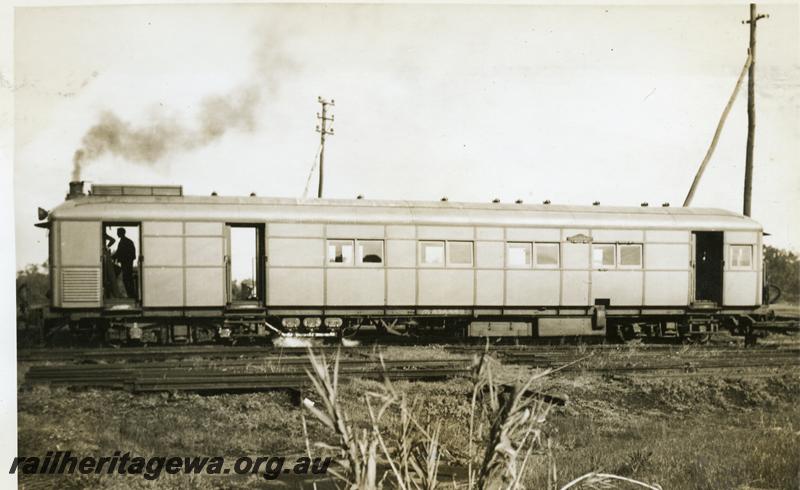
x=515 y=419
x=357 y=460
x=505 y=429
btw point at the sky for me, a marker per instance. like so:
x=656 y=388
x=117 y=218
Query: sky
x=569 y=103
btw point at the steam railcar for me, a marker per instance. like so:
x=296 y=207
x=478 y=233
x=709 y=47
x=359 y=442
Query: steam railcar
x=211 y=268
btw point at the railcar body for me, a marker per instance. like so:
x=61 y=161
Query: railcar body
x=323 y=266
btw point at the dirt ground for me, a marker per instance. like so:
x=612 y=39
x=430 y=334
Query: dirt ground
x=723 y=431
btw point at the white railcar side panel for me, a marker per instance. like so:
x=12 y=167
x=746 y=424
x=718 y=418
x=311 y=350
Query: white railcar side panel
x=533 y=234
x=622 y=287
x=532 y=287
x=80 y=244
x=671 y=256
x=740 y=288
x=204 y=286
x=204 y=251
x=401 y=287
x=163 y=273
x=205 y=277
x=355 y=231
x=292 y=230
x=445 y=233
x=575 y=256
x=489 y=288
x=194 y=228
x=575 y=288
x=162 y=251
x=617 y=236
x=445 y=287
x=666 y=288
x=750 y=237
x=489 y=255
x=401 y=253
x=486 y=233
x=401 y=231
x=162 y=228
x=163 y=286
x=295 y=286
x=668 y=236
x=355 y=286
x=295 y=252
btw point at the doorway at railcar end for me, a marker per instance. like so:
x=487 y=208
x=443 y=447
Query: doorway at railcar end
x=708 y=264
x=121 y=263
x=245 y=258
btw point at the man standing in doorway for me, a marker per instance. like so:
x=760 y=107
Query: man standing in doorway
x=125 y=255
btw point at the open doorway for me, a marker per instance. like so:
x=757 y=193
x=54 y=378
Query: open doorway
x=708 y=266
x=121 y=264
x=245 y=259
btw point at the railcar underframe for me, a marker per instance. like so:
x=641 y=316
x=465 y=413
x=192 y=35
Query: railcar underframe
x=162 y=327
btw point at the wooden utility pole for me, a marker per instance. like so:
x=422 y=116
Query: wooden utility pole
x=751 y=109
x=717 y=132
x=323 y=131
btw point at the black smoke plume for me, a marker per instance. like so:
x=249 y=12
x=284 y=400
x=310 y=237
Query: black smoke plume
x=151 y=142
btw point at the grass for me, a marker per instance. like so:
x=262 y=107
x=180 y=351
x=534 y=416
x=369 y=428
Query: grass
x=732 y=432
x=743 y=449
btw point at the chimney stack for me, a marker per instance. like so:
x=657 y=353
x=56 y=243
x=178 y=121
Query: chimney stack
x=75 y=190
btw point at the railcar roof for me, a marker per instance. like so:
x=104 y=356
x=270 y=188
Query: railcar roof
x=271 y=209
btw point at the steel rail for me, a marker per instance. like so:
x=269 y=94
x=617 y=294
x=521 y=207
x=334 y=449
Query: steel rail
x=686 y=366
x=234 y=352
x=166 y=376
x=272 y=363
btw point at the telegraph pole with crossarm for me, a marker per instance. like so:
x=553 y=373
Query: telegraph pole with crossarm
x=323 y=131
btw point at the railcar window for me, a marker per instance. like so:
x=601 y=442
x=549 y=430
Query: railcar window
x=459 y=253
x=741 y=256
x=370 y=251
x=547 y=254
x=431 y=253
x=340 y=251
x=630 y=255
x=603 y=255
x=519 y=254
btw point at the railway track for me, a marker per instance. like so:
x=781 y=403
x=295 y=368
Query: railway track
x=262 y=351
x=681 y=360
x=686 y=367
x=164 y=353
x=202 y=377
x=207 y=369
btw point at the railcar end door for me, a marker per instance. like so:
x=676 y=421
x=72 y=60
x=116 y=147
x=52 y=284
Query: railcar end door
x=707 y=266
